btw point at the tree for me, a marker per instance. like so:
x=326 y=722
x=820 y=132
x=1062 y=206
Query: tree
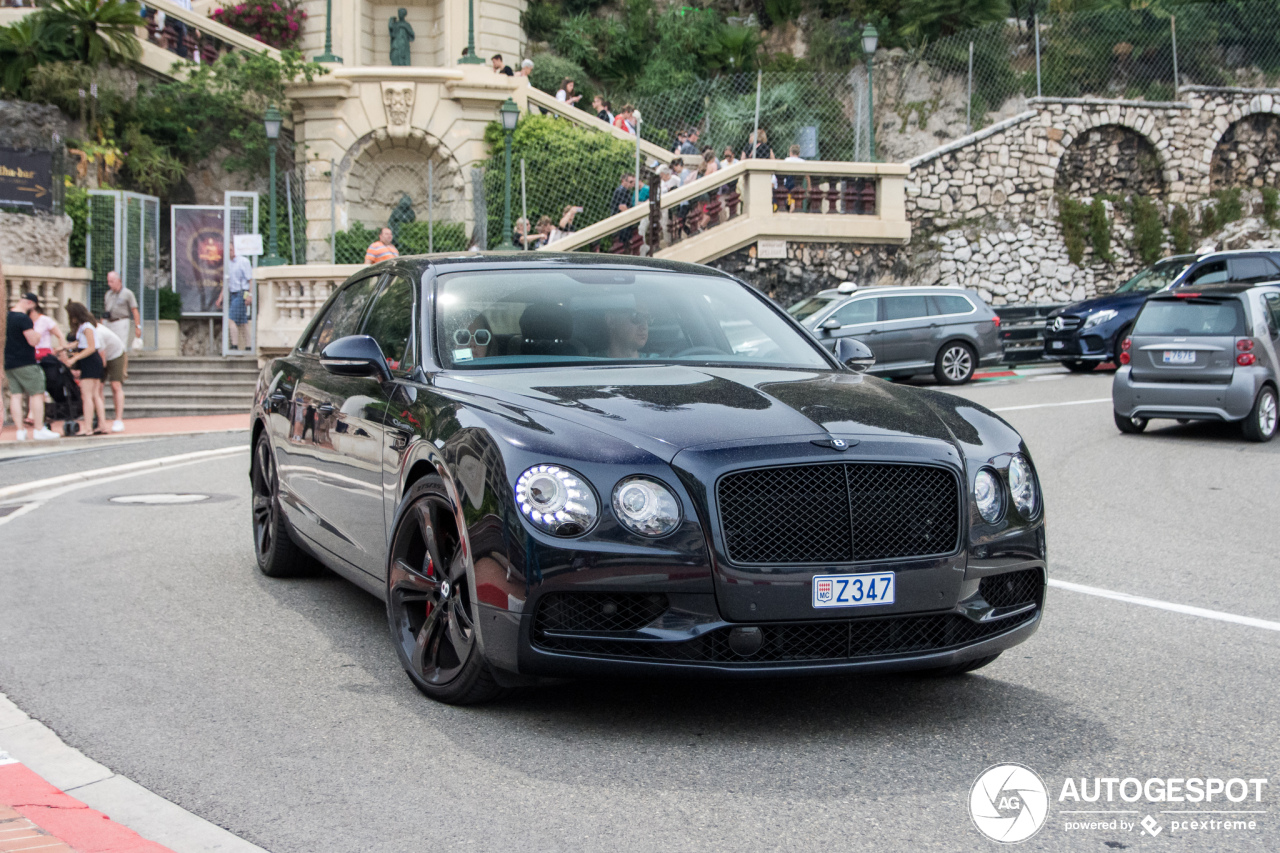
x=98 y=30
x=26 y=43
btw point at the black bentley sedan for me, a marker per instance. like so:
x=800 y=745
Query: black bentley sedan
x=580 y=464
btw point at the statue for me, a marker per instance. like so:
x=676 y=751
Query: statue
x=401 y=35
x=401 y=214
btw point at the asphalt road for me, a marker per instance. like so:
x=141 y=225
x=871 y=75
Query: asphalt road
x=145 y=636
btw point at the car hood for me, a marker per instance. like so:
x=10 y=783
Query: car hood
x=1116 y=301
x=667 y=408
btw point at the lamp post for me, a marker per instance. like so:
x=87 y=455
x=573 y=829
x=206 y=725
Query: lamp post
x=869 y=39
x=271 y=121
x=328 y=56
x=510 y=115
x=471 y=58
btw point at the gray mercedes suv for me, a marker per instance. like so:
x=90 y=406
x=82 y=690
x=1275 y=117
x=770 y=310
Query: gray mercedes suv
x=910 y=330
x=1202 y=353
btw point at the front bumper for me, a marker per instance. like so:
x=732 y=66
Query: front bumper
x=1220 y=402
x=1093 y=345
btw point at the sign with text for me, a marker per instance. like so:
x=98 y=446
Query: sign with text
x=771 y=249
x=248 y=244
x=26 y=179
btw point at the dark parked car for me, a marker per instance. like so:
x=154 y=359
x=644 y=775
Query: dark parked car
x=911 y=330
x=1203 y=353
x=583 y=464
x=1087 y=334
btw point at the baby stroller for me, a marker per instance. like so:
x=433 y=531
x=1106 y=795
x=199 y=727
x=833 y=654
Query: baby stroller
x=64 y=391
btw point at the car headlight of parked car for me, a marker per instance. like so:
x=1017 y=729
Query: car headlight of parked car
x=1022 y=486
x=557 y=500
x=988 y=496
x=1097 y=318
x=646 y=507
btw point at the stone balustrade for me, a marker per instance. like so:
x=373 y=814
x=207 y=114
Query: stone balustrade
x=54 y=285
x=289 y=296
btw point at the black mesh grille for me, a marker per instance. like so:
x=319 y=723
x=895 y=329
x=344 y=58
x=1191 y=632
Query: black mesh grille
x=838 y=513
x=1013 y=589
x=598 y=612
x=808 y=641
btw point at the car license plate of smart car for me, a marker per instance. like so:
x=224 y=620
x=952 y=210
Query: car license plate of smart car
x=853 y=590
x=1179 y=356
x=1056 y=344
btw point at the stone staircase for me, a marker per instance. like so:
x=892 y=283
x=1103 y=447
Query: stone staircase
x=168 y=387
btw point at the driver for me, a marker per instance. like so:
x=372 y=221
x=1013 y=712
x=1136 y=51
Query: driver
x=628 y=332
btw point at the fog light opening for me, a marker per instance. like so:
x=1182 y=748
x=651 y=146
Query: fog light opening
x=745 y=641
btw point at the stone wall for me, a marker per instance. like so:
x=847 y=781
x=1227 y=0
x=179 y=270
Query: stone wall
x=36 y=240
x=1248 y=155
x=27 y=125
x=1110 y=160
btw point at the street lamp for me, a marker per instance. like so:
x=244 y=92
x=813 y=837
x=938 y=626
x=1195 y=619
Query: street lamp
x=328 y=56
x=271 y=121
x=471 y=58
x=869 y=39
x=510 y=115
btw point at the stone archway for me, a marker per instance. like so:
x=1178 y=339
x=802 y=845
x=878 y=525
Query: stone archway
x=1109 y=159
x=380 y=171
x=1247 y=154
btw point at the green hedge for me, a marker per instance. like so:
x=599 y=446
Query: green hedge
x=412 y=240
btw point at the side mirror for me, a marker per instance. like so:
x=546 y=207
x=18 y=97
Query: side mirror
x=854 y=354
x=831 y=324
x=355 y=355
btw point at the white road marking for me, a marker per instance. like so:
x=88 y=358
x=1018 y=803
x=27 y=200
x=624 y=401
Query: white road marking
x=98 y=474
x=1166 y=605
x=1052 y=405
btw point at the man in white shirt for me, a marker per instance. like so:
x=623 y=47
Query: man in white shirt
x=239 y=275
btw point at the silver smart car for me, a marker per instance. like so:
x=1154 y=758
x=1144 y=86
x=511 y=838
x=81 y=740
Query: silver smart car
x=1202 y=353
x=910 y=330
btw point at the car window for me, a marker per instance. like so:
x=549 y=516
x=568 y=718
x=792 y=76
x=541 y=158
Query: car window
x=1252 y=269
x=391 y=322
x=809 y=306
x=342 y=317
x=1156 y=277
x=905 y=307
x=948 y=304
x=1189 y=317
x=1213 y=272
x=1273 y=310
x=857 y=311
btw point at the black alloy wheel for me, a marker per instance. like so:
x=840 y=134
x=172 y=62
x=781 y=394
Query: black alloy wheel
x=1132 y=426
x=1080 y=366
x=955 y=364
x=429 y=607
x=278 y=555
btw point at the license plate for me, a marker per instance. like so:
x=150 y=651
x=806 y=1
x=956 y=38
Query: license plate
x=1179 y=356
x=853 y=590
x=1057 y=345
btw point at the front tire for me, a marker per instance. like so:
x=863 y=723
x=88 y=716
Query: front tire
x=277 y=554
x=429 y=607
x=955 y=364
x=1130 y=426
x=1260 y=425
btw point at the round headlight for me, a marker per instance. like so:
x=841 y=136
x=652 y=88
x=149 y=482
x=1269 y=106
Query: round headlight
x=1022 y=485
x=646 y=506
x=988 y=496
x=556 y=500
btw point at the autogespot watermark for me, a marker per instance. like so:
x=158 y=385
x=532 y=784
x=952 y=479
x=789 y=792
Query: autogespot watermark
x=1011 y=802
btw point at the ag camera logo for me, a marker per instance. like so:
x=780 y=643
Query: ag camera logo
x=1009 y=803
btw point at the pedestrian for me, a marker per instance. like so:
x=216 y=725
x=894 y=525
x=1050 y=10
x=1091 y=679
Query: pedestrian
x=690 y=145
x=239 y=276
x=670 y=175
x=500 y=67
x=601 y=106
x=119 y=307
x=112 y=350
x=758 y=146
x=526 y=68
x=565 y=93
x=682 y=136
x=46 y=327
x=26 y=379
x=625 y=120
x=623 y=196
x=382 y=248
x=88 y=361
x=565 y=227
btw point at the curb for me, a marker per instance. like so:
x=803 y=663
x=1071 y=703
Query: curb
x=131 y=806
x=128 y=468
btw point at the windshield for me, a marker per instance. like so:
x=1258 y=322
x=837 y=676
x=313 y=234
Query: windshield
x=809 y=306
x=1189 y=317
x=533 y=318
x=1156 y=277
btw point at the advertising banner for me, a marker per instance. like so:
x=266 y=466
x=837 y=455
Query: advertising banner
x=198 y=239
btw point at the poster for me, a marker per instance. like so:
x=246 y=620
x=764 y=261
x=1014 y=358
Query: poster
x=198 y=241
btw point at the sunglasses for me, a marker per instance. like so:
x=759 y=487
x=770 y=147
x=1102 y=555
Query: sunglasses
x=481 y=337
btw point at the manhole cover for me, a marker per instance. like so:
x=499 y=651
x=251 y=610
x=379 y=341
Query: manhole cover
x=160 y=498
